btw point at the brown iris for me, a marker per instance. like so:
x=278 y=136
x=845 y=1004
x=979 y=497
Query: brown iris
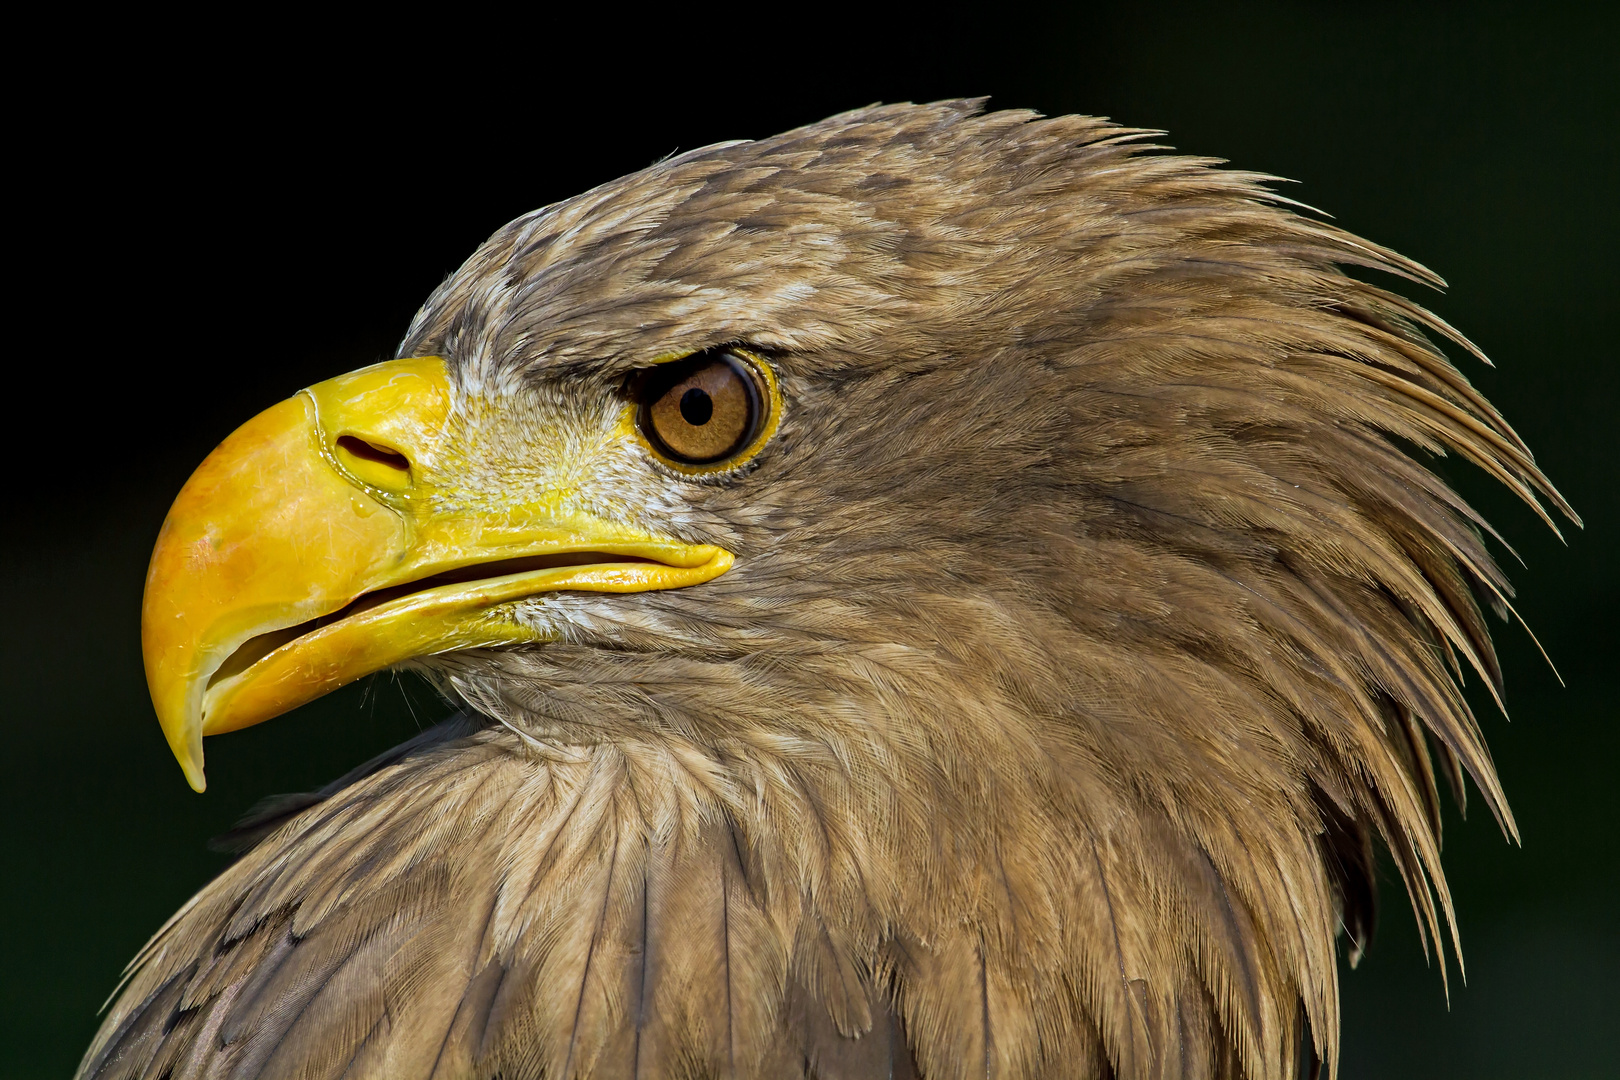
x=701 y=410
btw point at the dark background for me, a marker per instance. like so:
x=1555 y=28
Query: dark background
x=207 y=230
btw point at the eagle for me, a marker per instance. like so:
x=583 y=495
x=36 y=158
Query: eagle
x=934 y=593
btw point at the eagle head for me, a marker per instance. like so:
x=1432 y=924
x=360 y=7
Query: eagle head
x=933 y=593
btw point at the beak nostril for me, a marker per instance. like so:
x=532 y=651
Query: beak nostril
x=370 y=451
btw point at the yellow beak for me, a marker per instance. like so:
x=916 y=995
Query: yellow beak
x=312 y=548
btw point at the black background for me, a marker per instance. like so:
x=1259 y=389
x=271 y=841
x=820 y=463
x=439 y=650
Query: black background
x=208 y=227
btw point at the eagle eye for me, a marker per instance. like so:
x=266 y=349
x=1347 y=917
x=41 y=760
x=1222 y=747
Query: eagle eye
x=702 y=410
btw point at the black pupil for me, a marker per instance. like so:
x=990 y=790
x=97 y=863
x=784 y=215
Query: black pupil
x=696 y=407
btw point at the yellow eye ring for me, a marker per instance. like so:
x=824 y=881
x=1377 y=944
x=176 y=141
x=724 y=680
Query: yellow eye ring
x=706 y=412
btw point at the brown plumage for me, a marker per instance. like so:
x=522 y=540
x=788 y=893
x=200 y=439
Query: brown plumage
x=1093 y=617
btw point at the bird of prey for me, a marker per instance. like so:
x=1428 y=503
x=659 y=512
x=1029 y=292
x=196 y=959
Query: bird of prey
x=933 y=593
